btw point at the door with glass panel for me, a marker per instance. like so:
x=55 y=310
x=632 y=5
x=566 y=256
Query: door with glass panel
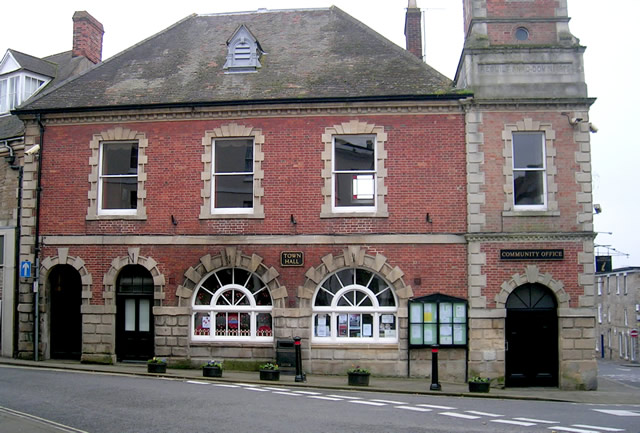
x=134 y=316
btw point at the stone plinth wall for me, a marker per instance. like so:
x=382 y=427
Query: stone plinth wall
x=451 y=364
x=486 y=344
x=98 y=334
x=578 y=367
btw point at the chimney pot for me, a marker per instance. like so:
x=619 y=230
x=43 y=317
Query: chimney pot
x=87 y=37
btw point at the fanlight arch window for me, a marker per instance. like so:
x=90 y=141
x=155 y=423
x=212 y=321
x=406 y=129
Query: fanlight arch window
x=232 y=304
x=355 y=305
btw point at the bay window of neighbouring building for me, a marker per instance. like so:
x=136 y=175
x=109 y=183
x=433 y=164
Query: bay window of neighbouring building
x=233 y=173
x=232 y=304
x=17 y=89
x=355 y=305
x=529 y=170
x=118 y=174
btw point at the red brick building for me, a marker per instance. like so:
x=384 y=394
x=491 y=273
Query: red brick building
x=240 y=179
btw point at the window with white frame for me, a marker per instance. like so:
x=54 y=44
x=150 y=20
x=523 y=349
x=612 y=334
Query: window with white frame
x=600 y=284
x=626 y=318
x=618 y=284
x=17 y=89
x=118 y=178
x=233 y=174
x=355 y=305
x=354 y=172
x=626 y=290
x=232 y=304
x=529 y=170
x=608 y=314
x=599 y=313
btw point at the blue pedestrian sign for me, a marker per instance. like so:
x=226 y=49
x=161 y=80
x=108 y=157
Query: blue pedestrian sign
x=25 y=269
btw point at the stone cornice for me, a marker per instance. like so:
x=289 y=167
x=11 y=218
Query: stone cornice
x=542 y=104
x=250 y=111
x=530 y=237
x=254 y=239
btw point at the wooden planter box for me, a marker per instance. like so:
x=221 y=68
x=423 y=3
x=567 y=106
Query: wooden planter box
x=479 y=386
x=269 y=374
x=358 y=379
x=157 y=368
x=211 y=371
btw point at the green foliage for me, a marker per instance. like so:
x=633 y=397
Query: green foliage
x=269 y=366
x=213 y=363
x=358 y=369
x=156 y=360
x=478 y=379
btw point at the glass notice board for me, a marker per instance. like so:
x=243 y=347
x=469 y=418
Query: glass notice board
x=441 y=320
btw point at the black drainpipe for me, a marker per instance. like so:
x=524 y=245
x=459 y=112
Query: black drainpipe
x=36 y=281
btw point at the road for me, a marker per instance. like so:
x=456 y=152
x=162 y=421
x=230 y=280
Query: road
x=97 y=403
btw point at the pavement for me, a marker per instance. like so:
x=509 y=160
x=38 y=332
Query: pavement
x=610 y=390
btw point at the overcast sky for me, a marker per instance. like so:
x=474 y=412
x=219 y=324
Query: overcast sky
x=41 y=28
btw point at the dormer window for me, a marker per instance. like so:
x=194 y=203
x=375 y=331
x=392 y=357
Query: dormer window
x=244 y=52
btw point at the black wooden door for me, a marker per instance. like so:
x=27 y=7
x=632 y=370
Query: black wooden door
x=134 y=314
x=531 y=337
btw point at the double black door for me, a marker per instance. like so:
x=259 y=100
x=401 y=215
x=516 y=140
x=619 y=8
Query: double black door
x=134 y=317
x=531 y=337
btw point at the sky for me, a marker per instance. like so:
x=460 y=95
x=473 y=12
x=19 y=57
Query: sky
x=42 y=28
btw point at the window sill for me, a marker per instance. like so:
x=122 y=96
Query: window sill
x=116 y=217
x=531 y=213
x=222 y=216
x=363 y=345
x=378 y=214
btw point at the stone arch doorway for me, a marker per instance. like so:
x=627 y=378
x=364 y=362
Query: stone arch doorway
x=134 y=314
x=531 y=337
x=65 y=297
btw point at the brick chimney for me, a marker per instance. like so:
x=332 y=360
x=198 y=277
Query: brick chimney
x=413 y=29
x=87 y=36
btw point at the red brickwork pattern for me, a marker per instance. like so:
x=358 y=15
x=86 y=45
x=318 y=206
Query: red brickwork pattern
x=425 y=174
x=522 y=9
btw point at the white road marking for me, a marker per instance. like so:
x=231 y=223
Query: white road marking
x=417 y=409
x=246 y=384
x=459 y=415
x=323 y=397
x=572 y=430
x=276 y=389
x=43 y=421
x=474 y=412
x=370 y=403
x=432 y=406
x=347 y=397
x=538 y=421
x=597 y=427
x=197 y=382
x=257 y=389
x=224 y=385
x=287 y=393
x=390 y=401
x=308 y=392
x=513 y=422
x=618 y=412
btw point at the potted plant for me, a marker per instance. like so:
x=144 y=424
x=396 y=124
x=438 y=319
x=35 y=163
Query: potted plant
x=212 y=369
x=157 y=365
x=269 y=371
x=479 y=384
x=358 y=376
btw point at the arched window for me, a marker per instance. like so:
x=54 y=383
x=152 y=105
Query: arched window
x=232 y=304
x=355 y=305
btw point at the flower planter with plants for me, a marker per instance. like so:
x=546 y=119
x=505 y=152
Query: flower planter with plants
x=157 y=365
x=358 y=376
x=269 y=371
x=479 y=384
x=212 y=369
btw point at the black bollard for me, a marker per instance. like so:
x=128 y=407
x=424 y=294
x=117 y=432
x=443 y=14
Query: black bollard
x=300 y=376
x=435 y=386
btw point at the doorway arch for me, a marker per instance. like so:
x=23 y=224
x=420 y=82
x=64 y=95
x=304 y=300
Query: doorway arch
x=65 y=297
x=531 y=334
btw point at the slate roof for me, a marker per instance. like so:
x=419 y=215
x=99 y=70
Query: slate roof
x=34 y=64
x=310 y=54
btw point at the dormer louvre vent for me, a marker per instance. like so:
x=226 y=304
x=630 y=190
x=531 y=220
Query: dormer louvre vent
x=243 y=53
